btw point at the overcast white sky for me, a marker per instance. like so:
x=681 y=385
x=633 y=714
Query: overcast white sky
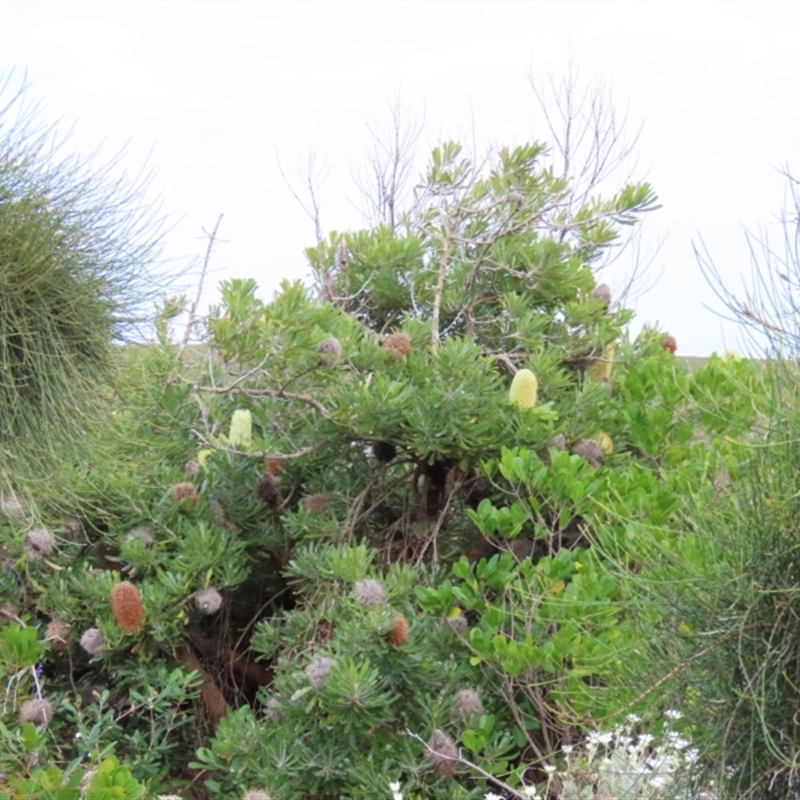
x=218 y=94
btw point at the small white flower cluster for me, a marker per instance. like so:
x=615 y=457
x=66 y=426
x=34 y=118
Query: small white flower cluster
x=625 y=764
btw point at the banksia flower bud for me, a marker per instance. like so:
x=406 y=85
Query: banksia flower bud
x=606 y=443
x=369 y=592
x=457 y=624
x=558 y=442
x=603 y=294
x=93 y=641
x=241 y=432
x=57 y=633
x=399 y=633
x=443 y=753
x=127 y=607
x=209 y=601
x=398 y=345
x=523 y=390
x=269 y=489
x=467 y=704
x=38 y=543
x=40 y=712
x=590 y=450
x=315 y=502
x=318 y=670
x=600 y=368
x=255 y=794
x=191 y=468
x=330 y=349
x=670 y=343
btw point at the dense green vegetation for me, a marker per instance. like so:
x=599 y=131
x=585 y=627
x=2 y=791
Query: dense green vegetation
x=431 y=526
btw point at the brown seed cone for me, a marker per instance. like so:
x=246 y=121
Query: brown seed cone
x=590 y=450
x=670 y=343
x=37 y=711
x=127 y=607
x=185 y=493
x=330 y=349
x=443 y=753
x=57 y=633
x=467 y=704
x=269 y=489
x=384 y=451
x=603 y=294
x=316 y=502
x=39 y=542
x=399 y=633
x=93 y=641
x=398 y=345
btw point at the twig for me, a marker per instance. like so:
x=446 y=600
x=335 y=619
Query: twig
x=212 y=237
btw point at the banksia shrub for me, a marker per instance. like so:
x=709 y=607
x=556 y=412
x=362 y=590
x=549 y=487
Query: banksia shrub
x=590 y=450
x=399 y=633
x=57 y=633
x=524 y=389
x=467 y=704
x=443 y=753
x=330 y=349
x=317 y=671
x=40 y=712
x=39 y=542
x=316 y=502
x=127 y=607
x=369 y=592
x=209 y=601
x=93 y=641
x=398 y=345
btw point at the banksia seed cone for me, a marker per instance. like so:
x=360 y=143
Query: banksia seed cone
x=315 y=502
x=558 y=442
x=38 y=543
x=601 y=367
x=329 y=351
x=127 y=607
x=57 y=633
x=269 y=489
x=443 y=753
x=255 y=794
x=399 y=633
x=603 y=294
x=241 y=432
x=398 y=345
x=590 y=450
x=670 y=343
x=467 y=704
x=384 y=451
x=40 y=712
x=185 y=493
x=10 y=506
x=523 y=390
x=318 y=670
x=209 y=601
x=93 y=641
x=369 y=592
x=142 y=534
